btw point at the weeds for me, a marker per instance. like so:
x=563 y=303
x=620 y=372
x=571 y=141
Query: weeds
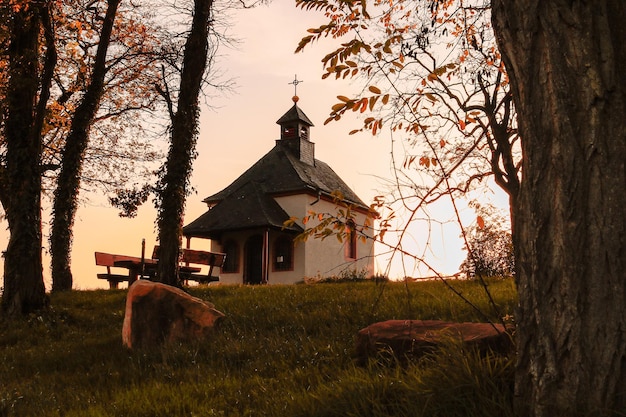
x=348 y=275
x=281 y=351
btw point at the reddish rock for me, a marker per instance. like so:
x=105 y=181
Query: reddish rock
x=413 y=338
x=157 y=313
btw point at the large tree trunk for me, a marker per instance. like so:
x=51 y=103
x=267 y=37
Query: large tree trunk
x=66 y=193
x=183 y=142
x=567 y=64
x=24 y=289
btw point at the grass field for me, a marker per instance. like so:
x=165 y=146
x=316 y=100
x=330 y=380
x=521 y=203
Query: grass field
x=280 y=351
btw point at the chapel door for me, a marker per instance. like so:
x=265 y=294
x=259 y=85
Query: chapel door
x=253 y=267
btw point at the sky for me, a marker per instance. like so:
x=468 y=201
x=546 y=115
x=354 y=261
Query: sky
x=239 y=128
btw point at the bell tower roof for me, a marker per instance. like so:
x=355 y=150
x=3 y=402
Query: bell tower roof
x=294 y=114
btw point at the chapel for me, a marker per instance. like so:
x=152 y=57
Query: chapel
x=246 y=220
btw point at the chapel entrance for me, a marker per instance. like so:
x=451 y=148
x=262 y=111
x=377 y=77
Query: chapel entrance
x=253 y=260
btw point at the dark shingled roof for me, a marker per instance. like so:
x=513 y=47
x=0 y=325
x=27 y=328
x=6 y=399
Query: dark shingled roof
x=248 y=207
x=281 y=172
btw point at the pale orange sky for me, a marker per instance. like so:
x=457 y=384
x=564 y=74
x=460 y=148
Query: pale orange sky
x=240 y=129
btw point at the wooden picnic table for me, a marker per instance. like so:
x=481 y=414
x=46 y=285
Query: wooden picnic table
x=134 y=266
x=147 y=267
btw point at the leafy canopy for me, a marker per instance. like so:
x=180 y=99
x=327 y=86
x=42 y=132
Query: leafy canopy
x=434 y=81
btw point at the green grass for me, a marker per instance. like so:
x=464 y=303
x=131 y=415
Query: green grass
x=281 y=351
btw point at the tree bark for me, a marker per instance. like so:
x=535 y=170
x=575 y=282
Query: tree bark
x=183 y=140
x=68 y=182
x=24 y=289
x=567 y=63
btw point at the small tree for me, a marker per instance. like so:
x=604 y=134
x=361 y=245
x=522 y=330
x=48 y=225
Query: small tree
x=434 y=81
x=489 y=245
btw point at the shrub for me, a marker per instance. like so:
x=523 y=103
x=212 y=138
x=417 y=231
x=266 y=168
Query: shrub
x=348 y=275
x=489 y=246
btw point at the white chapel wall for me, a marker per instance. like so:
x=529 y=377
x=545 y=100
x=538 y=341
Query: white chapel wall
x=313 y=258
x=328 y=257
x=274 y=277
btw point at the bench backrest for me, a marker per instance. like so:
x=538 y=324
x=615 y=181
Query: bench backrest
x=197 y=257
x=205 y=258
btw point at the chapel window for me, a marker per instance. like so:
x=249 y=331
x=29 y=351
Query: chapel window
x=283 y=254
x=231 y=249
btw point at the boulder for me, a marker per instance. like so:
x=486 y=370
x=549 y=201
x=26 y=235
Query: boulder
x=413 y=338
x=157 y=313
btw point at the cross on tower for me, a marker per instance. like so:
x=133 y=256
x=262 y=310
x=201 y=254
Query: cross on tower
x=295 y=83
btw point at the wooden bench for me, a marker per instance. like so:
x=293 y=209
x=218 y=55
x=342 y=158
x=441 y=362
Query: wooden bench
x=108 y=260
x=191 y=256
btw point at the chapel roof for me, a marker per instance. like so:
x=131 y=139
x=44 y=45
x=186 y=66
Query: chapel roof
x=281 y=172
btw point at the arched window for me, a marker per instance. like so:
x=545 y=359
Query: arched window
x=231 y=249
x=283 y=254
x=352 y=240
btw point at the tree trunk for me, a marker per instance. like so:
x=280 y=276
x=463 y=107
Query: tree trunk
x=567 y=64
x=183 y=142
x=24 y=289
x=68 y=182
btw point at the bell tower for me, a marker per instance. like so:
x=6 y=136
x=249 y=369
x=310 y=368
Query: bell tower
x=294 y=132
